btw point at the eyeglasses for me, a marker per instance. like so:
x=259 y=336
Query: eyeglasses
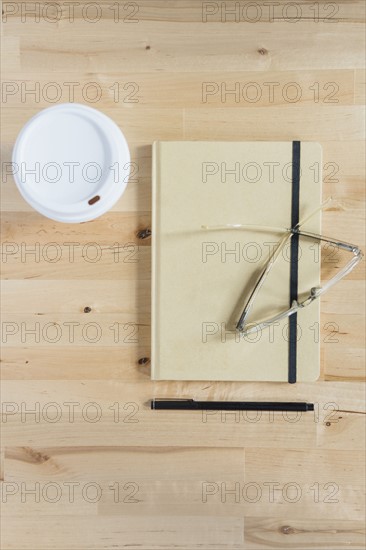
x=315 y=292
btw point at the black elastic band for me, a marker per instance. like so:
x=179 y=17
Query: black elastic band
x=294 y=263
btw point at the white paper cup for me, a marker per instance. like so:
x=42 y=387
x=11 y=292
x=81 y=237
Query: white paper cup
x=71 y=163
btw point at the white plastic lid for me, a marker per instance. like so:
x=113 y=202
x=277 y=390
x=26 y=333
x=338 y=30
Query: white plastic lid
x=71 y=163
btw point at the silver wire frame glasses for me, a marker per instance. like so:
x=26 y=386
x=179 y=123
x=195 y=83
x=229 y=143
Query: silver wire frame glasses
x=315 y=292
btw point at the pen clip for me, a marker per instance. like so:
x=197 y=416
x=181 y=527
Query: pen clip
x=163 y=402
x=160 y=399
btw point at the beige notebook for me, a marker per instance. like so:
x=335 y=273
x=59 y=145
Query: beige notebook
x=201 y=278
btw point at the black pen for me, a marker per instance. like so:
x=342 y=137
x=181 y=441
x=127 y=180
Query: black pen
x=192 y=405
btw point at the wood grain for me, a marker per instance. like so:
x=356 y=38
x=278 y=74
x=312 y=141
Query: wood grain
x=76 y=299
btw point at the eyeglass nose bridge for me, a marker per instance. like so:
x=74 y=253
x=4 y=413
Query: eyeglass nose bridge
x=315 y=292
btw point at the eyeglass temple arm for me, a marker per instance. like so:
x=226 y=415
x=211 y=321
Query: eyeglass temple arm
x=340 y=244
x=357 y=257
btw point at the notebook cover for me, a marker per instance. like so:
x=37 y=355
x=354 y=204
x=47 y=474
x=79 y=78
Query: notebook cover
x=200 y=278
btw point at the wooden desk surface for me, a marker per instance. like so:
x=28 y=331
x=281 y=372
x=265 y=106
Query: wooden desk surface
x=105 y=471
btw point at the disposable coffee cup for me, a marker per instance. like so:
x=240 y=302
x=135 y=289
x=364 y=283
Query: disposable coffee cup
x=71 y=163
